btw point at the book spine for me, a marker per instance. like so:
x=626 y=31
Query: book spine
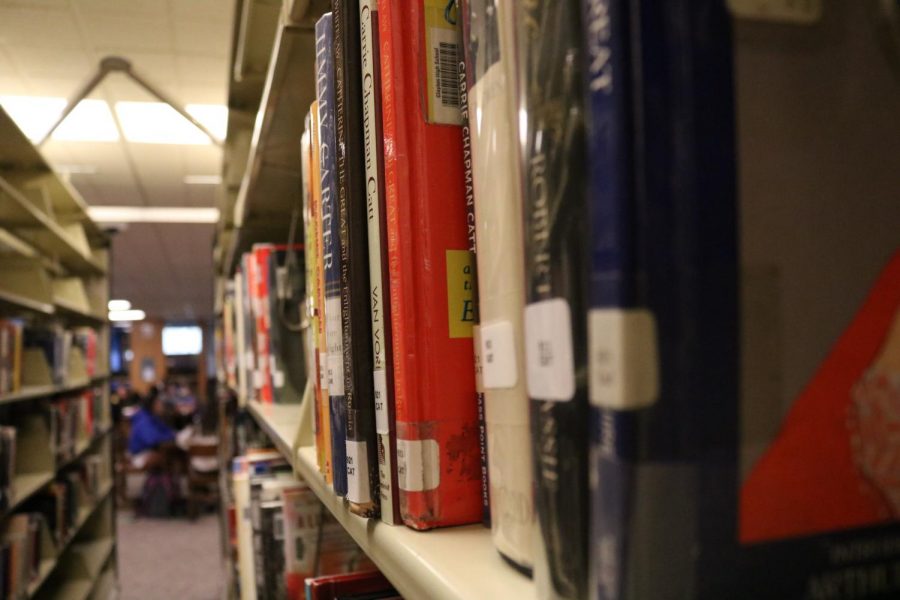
x=470 y=223
x=260 y=258
x=438 y=462
x=322 y=400
x=382 y=372
x=555 y=239
x=501 y=281
x=331 y=251
x=611 y=297
x=362 y=456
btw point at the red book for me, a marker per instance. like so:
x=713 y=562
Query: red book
x=259 y=298
x=431 y=268
x=329 y=587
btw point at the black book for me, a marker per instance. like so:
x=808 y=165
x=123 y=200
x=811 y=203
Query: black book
x=356 y=316
x=286 y=291
x=555 y=227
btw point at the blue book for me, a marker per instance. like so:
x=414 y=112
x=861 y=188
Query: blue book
x=331 y=250
x=662 y=334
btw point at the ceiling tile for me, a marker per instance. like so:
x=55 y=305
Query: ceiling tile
x=203 y=10
x=209 y=38
x=131 y=8
x=38 y=28
x=132 y=33
x=42 y=61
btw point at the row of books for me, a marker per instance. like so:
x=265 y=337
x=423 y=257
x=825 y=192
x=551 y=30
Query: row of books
x=55 y=343
x=282 y=532
x=362 y=585
x=528 y=301
x=54 y=510
x=7 y=466
x=20 y=553
x=72 y=420
x=263 y=348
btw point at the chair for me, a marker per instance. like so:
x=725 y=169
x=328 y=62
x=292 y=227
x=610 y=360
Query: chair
x=203 y=474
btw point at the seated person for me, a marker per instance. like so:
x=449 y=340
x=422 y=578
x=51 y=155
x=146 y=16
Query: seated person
x=150 y=436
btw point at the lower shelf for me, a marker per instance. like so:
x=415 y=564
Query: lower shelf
x=452 y=563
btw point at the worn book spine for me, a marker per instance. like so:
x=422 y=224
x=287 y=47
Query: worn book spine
x=431 y=268
x=501 y=281
x=331 y=248
x=551 y=134
x=362 y=456
x=382 y=367
x=322 y=401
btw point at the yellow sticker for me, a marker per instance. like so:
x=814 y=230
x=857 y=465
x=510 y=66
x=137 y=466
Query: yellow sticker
x=460 y=293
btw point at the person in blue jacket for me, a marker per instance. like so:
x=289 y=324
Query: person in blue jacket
x=150 y=436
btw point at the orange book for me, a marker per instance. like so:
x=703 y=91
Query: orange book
x=323 y=433
x=431 y=268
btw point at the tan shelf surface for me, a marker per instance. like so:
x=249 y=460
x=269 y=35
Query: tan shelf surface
x=42 y=391
x=453 y=563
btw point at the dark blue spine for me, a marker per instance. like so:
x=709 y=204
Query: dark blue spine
x=331 y=246
x=610 y=285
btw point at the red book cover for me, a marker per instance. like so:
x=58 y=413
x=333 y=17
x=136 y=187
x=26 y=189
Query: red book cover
x=431 y=268
x=260 y=300
x=330 y=587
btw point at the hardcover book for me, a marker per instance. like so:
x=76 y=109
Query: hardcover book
x=764 y=467
x=430 y=266
x=382 y=357
x=501 y=279
x=331 y=250
x=323 y=402
x=549 y=95
x=356 y=312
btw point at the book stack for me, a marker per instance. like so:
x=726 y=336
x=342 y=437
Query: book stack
x=85 y=338
x=272 y=369
x=55 y=343
x=71 y=421
x=529 y=260
x=361 y=585
x=10 y=356
x=7 y=466
x=58 y=504
x=20 y=553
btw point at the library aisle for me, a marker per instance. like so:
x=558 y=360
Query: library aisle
x=169 y=559
x=449 y=299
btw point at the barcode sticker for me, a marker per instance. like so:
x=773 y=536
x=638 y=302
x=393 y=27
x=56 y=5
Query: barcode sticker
x=382 y=420
x=443 y=52
x=498 y=356
x=622 y=358
x=418 y=465
x=278 y=526
x=548 y=350
x=357 y=473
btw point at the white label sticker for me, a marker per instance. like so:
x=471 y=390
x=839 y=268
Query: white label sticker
x=548 y=350
x=258 y=379
x=382 y=419
x=418 y=465
x=335 y=374
x=498 y=355
x=323 y=370
x=622 y=359
x=357 y=473
x=335 y=342
x=443 y=57
x=476 y=342
x=278 y=379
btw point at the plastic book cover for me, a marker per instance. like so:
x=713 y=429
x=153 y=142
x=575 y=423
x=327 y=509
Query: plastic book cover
x=287 y=354
x=321 y=345
x=501 y=279
x=431 y=267
x=362 y=455
x=549 y=89
x=382 y=357
x=331 y=250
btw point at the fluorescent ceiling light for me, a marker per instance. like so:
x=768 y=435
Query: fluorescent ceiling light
x=127 y=315
x=158 y=123
x=116 y=305
x=92 y=121
x=89 y=121
x=203 y=179
x=152 y=214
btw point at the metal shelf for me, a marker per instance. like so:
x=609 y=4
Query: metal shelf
x=453 y=563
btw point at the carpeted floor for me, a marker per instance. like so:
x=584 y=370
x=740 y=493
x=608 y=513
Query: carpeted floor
x=175 y=559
